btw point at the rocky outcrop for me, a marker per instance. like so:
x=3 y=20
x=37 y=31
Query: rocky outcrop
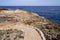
x=11 y=34
x=49 y=29
x=3 y=9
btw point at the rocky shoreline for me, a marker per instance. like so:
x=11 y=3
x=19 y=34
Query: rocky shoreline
x=50 y=29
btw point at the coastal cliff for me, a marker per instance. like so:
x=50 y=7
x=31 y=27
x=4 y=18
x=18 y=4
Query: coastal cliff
x=49 y=29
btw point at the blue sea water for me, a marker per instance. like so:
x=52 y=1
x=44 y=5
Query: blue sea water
x=51 y=13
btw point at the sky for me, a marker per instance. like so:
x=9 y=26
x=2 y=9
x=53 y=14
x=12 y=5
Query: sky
x=29 y=2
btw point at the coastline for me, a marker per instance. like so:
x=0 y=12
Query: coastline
x=50 y=30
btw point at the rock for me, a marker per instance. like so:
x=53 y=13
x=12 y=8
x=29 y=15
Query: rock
x=3 y=9
x=11 y=34
x=58 y=37
x=50 y=30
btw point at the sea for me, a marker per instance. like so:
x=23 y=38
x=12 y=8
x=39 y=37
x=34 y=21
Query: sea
x=51 y=13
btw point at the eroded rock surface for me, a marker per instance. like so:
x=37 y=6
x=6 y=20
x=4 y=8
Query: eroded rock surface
x=11 y=34
x=50 y=30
